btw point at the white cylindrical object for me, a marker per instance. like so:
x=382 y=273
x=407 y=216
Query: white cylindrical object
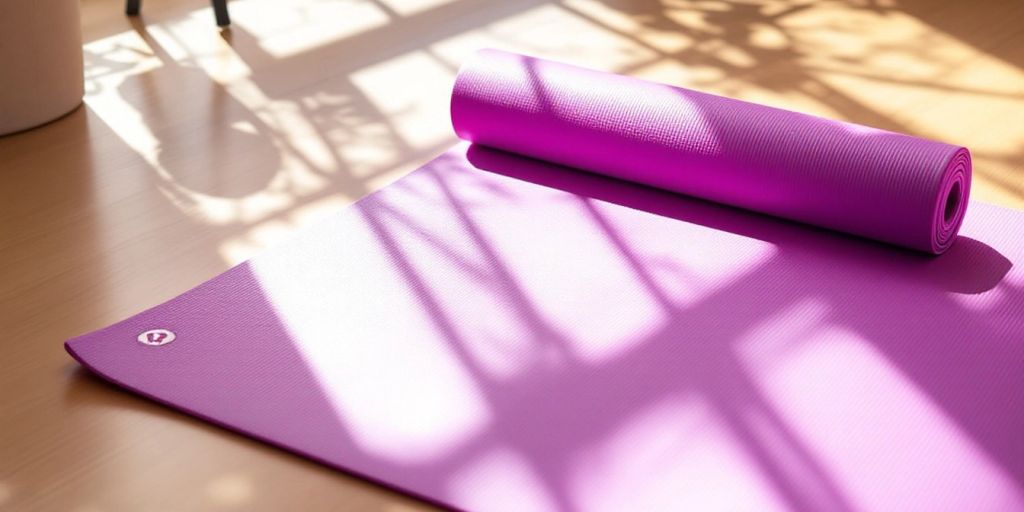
x=41 y=75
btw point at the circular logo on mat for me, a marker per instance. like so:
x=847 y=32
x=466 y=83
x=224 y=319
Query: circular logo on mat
x=156 y=337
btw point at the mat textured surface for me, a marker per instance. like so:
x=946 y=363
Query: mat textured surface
x=526 y=339
x=882 y=185
x=495 y=332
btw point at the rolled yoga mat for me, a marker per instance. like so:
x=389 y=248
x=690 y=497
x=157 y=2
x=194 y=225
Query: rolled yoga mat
x=498 y=332
x=882 y=185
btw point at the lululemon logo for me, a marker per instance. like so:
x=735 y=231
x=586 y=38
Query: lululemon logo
x=156 y=337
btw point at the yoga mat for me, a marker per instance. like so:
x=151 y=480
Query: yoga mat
x=499 y=332
x=878 y=184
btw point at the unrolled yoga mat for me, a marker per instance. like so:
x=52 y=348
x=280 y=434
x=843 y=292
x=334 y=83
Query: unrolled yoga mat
x=498 y=332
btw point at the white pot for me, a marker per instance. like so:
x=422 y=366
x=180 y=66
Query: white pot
x=40 y=62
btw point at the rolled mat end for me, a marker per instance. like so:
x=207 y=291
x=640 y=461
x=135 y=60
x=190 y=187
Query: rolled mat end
x=951 y=203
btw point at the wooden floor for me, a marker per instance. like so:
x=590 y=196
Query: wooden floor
x=195 y=148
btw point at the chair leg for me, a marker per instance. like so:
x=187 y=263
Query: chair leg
x=220 y=11
x=131 y=7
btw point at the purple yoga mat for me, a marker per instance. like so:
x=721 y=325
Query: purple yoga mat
x=882 y=185
x=497 y=332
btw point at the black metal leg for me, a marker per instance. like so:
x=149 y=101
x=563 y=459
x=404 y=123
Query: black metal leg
x=220 y=10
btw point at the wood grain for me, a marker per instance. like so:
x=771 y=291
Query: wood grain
x=196 y=148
